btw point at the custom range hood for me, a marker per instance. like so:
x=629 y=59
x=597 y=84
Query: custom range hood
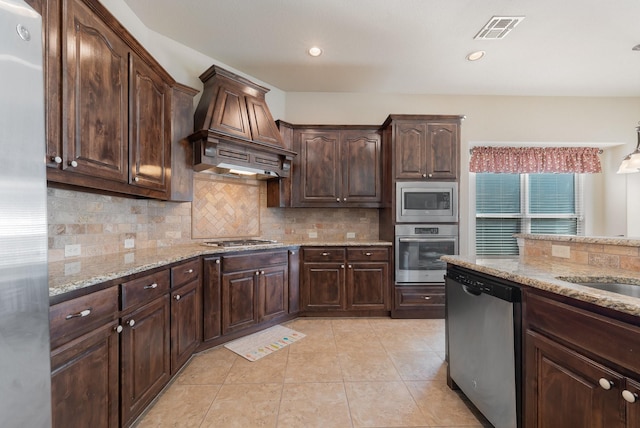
x=234 y=129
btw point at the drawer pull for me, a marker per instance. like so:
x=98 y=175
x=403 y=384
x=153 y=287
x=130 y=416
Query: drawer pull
x=367 y=254
x=118 y=329
x=605 y=383
x=325 y=254
x=151 y=286
x=189 y=271
x=341 y=266
x=217 y=261
x=177 y=297
x=629 y=396
x=80 y=314
x=350 y=267
x=426 y=297
x=131 y=323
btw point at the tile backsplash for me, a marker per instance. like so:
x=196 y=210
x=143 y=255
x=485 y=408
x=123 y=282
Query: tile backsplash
x=222 y=208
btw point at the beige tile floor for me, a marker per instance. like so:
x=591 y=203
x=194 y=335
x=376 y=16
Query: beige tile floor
x=373 y=372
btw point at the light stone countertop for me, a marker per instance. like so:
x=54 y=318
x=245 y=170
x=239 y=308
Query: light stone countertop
x=542 y=273
x=73 y=274
x=605 y=240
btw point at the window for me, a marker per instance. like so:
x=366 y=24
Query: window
x=525 y=203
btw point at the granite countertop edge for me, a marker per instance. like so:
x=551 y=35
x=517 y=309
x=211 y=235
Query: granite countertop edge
x=541 y=274
x=603 y=240
x=73 y=274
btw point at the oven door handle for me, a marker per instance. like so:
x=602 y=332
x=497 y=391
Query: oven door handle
x=424 y=239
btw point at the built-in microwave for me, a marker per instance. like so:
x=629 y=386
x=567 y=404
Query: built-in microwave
x=426 y=202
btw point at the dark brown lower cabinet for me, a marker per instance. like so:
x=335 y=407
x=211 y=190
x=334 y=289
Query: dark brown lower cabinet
x=211 y=299
x=145 y=357
x=85 y=380
x=238 y=301
x=185 y=324
x=367 y=285
x=322 y=286
x=581 y=365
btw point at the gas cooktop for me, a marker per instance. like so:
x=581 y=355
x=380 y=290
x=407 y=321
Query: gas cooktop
x=239 y=242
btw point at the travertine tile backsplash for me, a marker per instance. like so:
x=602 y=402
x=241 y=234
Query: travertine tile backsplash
x=100 y=224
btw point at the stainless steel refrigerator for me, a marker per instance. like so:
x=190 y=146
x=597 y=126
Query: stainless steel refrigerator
x=25 y=378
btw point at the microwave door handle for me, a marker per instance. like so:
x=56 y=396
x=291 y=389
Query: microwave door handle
x=423 y=239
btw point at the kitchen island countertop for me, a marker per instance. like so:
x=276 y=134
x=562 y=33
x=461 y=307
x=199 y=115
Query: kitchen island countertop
x=74 y=274
x=541 y=273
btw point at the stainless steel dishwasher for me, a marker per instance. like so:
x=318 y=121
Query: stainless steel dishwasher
x=484 y=344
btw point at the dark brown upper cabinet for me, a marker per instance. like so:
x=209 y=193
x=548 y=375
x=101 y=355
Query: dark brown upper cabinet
x=336 y=166
x=109 y=104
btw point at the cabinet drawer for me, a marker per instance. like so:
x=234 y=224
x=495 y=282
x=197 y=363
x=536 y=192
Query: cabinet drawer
x=418 y=297
x=185 y=273
x=240 y=262
x=145 y=289
x=325 y=254
x=605 y=338
x=364 y=254
x=71 y=318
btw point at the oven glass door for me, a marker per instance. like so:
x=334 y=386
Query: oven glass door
x=418 y=258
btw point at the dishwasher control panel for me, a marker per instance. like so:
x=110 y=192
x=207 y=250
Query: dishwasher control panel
x=478 y=285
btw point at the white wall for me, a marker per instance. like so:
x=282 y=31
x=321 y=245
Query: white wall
x=613 y=204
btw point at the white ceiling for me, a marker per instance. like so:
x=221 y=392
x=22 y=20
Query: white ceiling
x=563 y=47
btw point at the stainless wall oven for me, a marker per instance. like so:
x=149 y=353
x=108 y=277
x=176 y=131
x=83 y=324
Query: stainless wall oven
x=418 y=249
x=426 y=202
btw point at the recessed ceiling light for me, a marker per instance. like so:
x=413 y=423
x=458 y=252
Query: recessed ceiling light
x=474 y=56
x=314 y=51
x=636 y=48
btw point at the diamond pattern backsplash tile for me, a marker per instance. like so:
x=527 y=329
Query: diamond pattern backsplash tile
x=225 y=208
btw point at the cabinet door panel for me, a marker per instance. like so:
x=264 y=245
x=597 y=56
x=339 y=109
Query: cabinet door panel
x=263 y=127
x=84 y=381
x=320 y=169
x=231 y=113
x=185 y=326
x=323 y=286
x=145 y=356
x=274 y=295
x=442 y=159
x=633 y=409
x=149 y=130
x=238 y=301
x=367 y=286
x=95 y=94
x=562 y=388
x=362 y=167
x=411 y=143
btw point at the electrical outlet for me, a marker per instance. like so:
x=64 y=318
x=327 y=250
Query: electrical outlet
x=313 y=234
x=351 y=235
x=562 y=251
x=72 y=250
x=129 y=243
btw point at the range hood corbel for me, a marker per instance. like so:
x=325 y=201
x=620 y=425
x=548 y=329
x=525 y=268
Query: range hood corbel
x=234 y=128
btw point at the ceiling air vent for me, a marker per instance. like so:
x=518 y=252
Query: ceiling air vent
x=498 y=27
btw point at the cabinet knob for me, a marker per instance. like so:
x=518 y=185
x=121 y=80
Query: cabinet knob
x=257 y=273
x=424 y=175
x=350 y=267
x=344 y=199
x=605 y=383
x=56 y=159
x=217 y=261
x=292 y=252
x=367 y=254
x=426 y=297
x=131 y=323
x=629 y=396
x=430 y=175
x=325 y=254
x=118 y=329
x=136 y=179
x=189 y=271
x=261 y=272
x=151 y=286
x=337 y=199
x=342 y=266
x=80 y=314
x=177 y=297
x=72 y=163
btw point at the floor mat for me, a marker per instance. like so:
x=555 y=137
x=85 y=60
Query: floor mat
x=257 y=345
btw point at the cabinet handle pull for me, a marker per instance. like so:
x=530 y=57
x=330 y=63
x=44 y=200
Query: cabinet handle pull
x=151 y=286
x=629 y=396
x=136 y=179
x=189 y=271
x=261 y=272
x=430 y=175
x=73 y=163
x=426 y=297
x=367 y=254
x=605 y=383
x=344 y=199
x=325 y=254
x=131 y=323
x=118 y=329
x=177 y=297
x=292 y=252
x=80 y=314
x=424 y=175
x=342 y=266
x=350 y=266
x=337 y=199
x=56 y=159
x=217 y=261
x=257 y=273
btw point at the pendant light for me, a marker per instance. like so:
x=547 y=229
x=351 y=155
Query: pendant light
x=631 y=163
